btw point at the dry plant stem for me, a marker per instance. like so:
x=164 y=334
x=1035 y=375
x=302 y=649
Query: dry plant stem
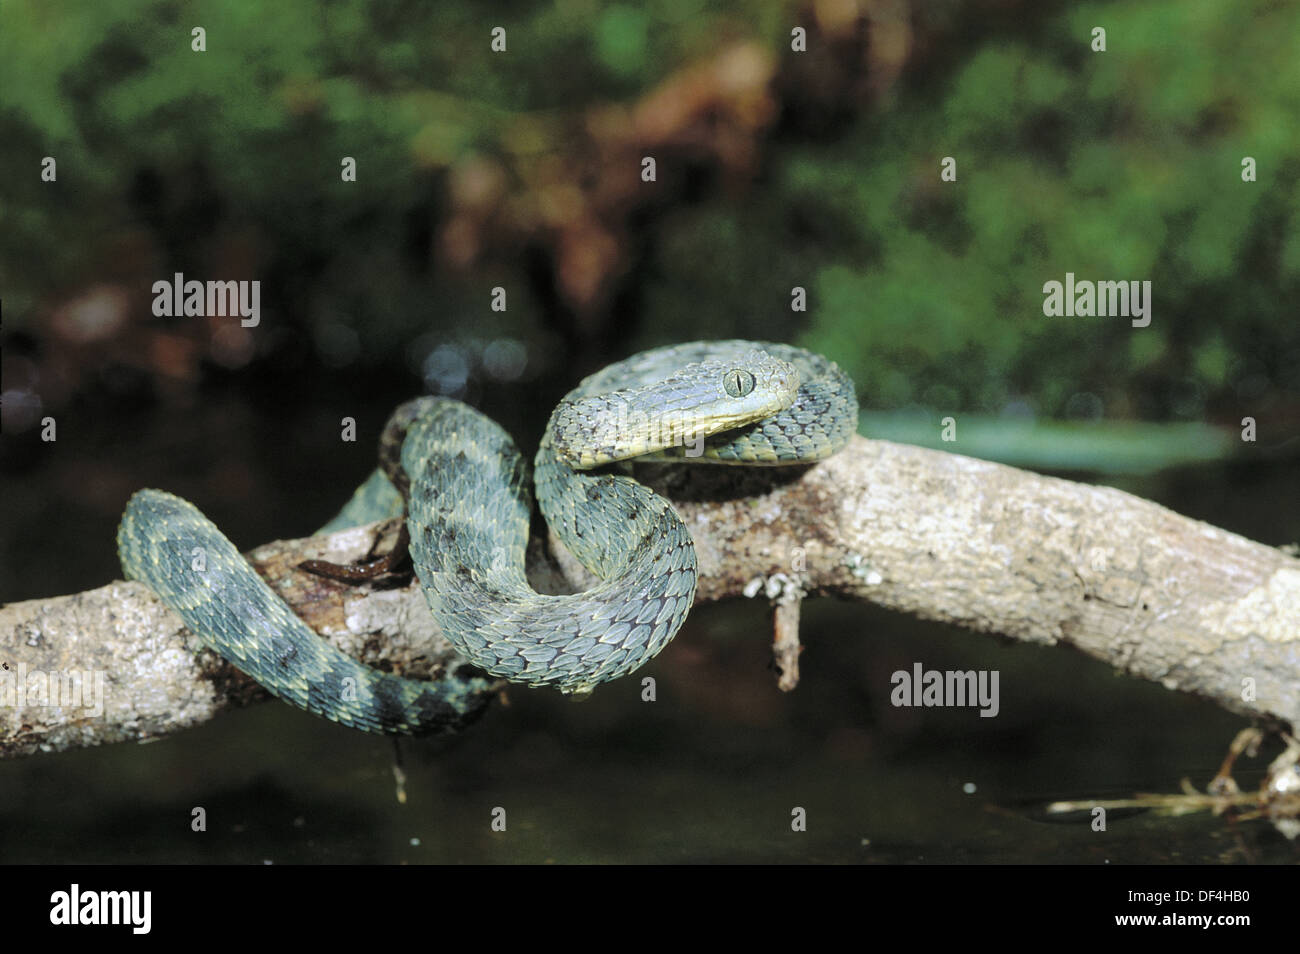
x=936 y=535
x=785 y=643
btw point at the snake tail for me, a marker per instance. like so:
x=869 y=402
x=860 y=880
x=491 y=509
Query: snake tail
x=166 y=542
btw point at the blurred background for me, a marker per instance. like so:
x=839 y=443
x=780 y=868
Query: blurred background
x=521 y=169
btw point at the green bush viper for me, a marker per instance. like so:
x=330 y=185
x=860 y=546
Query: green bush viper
x=466 y=493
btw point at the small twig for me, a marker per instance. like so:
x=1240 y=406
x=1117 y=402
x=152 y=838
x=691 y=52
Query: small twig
x=785 y=643
x=399 y=771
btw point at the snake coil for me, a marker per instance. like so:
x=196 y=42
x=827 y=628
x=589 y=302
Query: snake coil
x=466 y=493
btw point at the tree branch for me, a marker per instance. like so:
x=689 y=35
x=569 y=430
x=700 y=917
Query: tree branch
x=937 y=535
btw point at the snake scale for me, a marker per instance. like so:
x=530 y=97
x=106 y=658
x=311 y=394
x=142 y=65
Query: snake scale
x=465 y=489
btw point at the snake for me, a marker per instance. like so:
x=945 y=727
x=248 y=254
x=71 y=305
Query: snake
x=467 y=496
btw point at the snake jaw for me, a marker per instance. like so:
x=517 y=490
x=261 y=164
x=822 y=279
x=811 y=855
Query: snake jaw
x=695 y=402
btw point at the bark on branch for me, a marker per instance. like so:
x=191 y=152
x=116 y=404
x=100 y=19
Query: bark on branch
x=944 y=537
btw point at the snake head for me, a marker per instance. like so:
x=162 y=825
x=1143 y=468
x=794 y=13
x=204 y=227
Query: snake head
x=693 y=402
x=723 y=394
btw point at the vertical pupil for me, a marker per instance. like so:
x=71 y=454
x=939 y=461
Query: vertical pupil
x=738 y=383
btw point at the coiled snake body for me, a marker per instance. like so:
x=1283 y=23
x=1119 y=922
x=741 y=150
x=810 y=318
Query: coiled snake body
x=466 y=493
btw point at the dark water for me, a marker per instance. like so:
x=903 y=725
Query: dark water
x=711 y=771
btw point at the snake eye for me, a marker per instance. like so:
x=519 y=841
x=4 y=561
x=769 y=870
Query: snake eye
x=738 y=382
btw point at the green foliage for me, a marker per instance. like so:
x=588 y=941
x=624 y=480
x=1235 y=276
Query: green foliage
x=1117 y=165
x=246 y=138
